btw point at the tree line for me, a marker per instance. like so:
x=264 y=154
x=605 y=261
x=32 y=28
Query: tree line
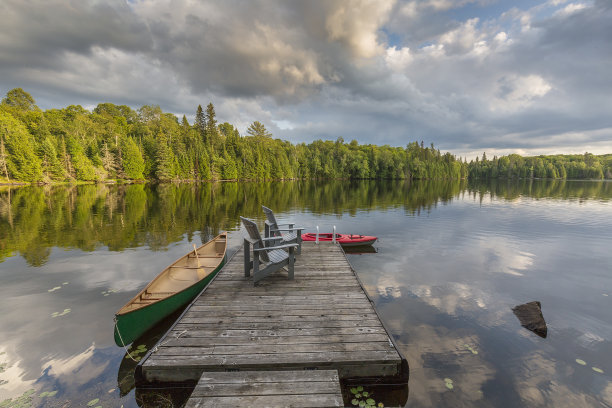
x=513 y=166
x=115 y=142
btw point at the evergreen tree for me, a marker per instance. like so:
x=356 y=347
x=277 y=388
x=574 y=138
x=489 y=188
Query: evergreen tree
x=133 y=163
x=51 y=166
x=200 y=123
x=211 y=122
x=185 y=124
x=257 y=129
x=83 y=167
x=164 y=160
x=22 y=162
x=3 y=158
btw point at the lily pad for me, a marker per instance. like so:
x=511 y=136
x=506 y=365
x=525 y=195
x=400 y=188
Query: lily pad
x=365 y=394
x=370 y=401
x=474 y=351
x=93 y=402
x=360 y=388
x=581 y=362
x=354 y=391
x=355 y=401
x=362 y=404
x=597 y=370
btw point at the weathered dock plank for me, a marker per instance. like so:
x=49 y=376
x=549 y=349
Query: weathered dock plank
x=267 y=389
x=321 y=320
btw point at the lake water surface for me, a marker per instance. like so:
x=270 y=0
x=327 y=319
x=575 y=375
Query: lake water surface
x=453 y=259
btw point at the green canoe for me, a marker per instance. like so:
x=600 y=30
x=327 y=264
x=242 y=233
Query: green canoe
x=174 y=287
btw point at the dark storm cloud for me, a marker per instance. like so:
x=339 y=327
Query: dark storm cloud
x=36 y=33
x=467 y=75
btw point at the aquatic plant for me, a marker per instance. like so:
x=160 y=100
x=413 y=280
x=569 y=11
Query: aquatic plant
x=363 y=399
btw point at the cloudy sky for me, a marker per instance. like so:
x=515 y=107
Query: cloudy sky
x=524 y=76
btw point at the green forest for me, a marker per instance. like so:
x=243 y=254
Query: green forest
x=117 y=143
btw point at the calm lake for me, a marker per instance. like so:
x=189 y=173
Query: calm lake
x=452 y=262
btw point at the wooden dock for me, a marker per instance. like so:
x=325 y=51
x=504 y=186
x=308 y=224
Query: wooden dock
x=267 y=389
x=321 y=320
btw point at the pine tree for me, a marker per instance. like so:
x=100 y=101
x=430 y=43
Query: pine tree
x=22 y=162
x=259 y=130
x=133 y=163
x=211 y=124
x=3 y=156
x=164 y=160
x=200 y=123
x=51 y=164
x=185 y=124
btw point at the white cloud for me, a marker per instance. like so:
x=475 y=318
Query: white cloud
x=570 y=9
x=398 y=59
x=518 y=92
x=356 y=24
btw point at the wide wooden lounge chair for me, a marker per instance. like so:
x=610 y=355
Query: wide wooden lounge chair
x=272 y=258
x=289 y=234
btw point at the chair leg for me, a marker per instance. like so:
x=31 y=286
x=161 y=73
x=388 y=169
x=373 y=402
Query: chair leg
x=247 y=259
x=291 y=262
x=255 y=268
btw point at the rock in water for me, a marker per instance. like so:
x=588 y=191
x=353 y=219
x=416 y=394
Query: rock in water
x=531 y=318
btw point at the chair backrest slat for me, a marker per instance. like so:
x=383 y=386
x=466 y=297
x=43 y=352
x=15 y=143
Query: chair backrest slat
x=270 y=215
x=254 y=237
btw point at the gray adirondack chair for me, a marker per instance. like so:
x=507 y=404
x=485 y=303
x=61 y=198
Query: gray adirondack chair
x=286 y=235
x=272 y=258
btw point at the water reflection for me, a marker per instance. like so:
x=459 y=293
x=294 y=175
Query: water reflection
x=452 y=260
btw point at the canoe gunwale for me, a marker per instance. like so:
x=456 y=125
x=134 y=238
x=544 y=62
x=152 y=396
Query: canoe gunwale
x=220 y=257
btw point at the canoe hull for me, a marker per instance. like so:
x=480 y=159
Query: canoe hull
x=346 y=240
x=130 y=326
x=170 y=290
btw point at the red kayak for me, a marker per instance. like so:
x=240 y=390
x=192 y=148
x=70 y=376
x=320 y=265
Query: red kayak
x=342 y=239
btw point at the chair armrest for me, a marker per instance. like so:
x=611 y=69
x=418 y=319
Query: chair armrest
x=275 y=247
x=271 y=239
x=288 y=229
